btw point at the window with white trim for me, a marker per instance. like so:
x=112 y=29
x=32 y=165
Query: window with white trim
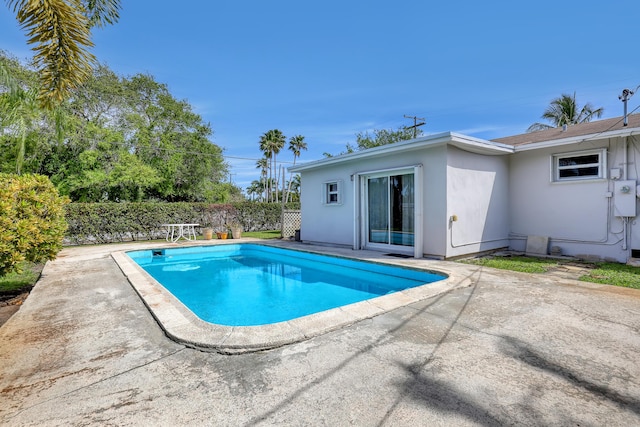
x=332 y=193
x=579 y=165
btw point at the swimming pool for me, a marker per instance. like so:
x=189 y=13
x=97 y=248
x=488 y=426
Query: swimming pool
x=181 y=324
x=250 y=284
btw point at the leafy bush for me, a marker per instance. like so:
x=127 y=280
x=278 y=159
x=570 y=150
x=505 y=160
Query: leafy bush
x=32 y=223
x=119 y=222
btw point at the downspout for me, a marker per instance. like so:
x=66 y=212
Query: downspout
x=355 y=179
x=625 y=169
x=624 y=158
x=418 y=209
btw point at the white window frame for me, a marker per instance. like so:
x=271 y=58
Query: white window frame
x=602 y=162
x=327 y=192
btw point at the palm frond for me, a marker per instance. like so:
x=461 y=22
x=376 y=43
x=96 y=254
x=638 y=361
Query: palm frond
x=60 y=33
x=102 y=12
x=538 y=126
x=564 y=111
x=7 y=80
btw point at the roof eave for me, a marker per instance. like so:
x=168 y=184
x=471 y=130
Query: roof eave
x=577 y=139
x=461 y=141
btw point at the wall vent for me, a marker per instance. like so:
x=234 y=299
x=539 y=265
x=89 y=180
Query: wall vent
x=635 y=253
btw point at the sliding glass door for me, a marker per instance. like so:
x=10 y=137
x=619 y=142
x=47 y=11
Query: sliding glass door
x=390 y=209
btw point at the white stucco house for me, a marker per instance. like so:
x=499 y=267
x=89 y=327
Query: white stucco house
x=448 y=195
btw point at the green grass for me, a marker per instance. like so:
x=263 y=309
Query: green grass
x=614 y=274
x=514 y=263
x=14 y=282
x=608 y=273
x=271 y=234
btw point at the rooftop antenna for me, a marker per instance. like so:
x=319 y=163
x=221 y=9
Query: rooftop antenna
x=626 y=94
x=415 y=124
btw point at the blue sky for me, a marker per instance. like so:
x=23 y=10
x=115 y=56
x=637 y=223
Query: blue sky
x=328 y=70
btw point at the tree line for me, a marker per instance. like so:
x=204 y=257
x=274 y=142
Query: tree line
x=114 y=139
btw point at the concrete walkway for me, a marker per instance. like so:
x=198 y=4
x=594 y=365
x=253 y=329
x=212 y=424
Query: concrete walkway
x=508 y=349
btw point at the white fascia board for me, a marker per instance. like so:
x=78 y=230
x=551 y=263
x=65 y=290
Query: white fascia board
x=462 y=141
x=577 y=139
x=480 y=146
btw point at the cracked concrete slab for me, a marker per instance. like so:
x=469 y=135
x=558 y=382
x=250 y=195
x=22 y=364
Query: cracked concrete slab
x=507 y=349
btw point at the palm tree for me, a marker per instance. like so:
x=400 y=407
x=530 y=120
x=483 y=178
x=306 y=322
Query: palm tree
x=295 y=187
x=24 y=111
x=564 y=111
x=252 y=189
x=296 y=145
x=270 y=144
x=21 y=112
x=263 y=165
x=60 y=31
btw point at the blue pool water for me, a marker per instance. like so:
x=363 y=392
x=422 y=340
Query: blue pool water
x=250 y=284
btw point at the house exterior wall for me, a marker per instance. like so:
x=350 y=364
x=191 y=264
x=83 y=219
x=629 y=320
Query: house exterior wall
x=434 y=201
x=335 y=224
x=322 y=223
x=499 y=197
x=477 y=194
x=455 y=182
x=579 y=217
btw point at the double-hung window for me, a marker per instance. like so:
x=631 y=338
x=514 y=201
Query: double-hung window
x=581 y=165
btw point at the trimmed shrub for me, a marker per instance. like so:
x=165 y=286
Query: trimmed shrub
x=119 y=222
x=32 y=223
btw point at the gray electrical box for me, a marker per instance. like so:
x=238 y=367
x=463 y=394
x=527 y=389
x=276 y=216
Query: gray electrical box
x=624 y=198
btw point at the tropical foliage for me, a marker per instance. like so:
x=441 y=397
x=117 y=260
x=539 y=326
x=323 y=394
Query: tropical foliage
x=378 y=137
x=564 y=110
x=271 y=142
x=32 y=223
x=117 y=139
x=60 y=33
x=296 y=145
x=267 y=188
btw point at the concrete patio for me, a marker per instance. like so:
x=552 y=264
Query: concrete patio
x=494 y=348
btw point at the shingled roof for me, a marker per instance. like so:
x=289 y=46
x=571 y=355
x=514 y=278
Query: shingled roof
x=590 y=128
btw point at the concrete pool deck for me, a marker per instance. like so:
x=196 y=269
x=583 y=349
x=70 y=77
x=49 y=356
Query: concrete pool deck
x=497 y=348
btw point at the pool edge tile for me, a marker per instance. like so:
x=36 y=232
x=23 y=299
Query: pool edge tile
x=323 y=322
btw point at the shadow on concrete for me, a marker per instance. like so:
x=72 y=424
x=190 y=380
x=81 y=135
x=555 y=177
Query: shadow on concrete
x=523 y=352
x=365 y=350
x=436 y=394
x=443 y=398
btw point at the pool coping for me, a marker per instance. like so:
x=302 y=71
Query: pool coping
x=183 y=326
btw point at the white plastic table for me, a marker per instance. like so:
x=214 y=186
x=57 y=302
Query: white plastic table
x=176 y=231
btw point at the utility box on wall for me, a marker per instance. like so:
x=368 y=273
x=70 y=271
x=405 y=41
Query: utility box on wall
x=624 y=198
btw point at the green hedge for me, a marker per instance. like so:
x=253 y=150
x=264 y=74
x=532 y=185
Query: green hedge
x=119 y=222
x=32 y=223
